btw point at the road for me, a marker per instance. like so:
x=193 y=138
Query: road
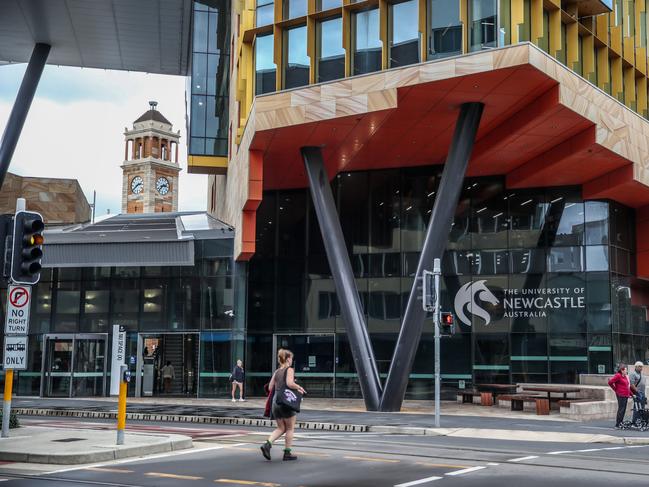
x=230 y=457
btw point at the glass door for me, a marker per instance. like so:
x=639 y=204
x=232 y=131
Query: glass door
x=74 y=365
x=89 y=367
x=58 y=368
x=314 y=360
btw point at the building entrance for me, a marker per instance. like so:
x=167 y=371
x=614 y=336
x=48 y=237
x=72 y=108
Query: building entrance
x=74 y=365
x=154 y=377
x=314 y=360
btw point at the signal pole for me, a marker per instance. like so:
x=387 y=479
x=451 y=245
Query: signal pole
x=437 y=271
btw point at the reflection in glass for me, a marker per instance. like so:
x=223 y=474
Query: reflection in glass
x=265 y=13
x=482 y=24
x=445 y=29
x=264 y=65
x=566 y=259
x=367 y=43
x=294 y=9
x=296 y=72
x=527 y=211
x=328 y=4
x=331 y=55
x=596 y=222
x=404 y=33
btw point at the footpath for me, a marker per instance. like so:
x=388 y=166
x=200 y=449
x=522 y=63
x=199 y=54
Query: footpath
x=460 y=420
x=35 y=444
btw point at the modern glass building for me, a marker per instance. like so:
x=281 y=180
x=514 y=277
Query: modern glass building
x=168 y=279
x=544 y=267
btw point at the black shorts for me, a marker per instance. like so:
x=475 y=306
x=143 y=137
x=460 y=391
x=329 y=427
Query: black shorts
x=281 y=412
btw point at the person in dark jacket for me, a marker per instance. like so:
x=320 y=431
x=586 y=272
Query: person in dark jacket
x=622 y=388
x=237 y=377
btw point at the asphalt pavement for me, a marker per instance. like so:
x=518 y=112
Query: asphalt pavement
x=517 y=422
x=230 y=457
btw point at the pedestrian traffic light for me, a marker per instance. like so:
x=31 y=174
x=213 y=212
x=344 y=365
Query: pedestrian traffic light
x=27 y=247
x=447 y=323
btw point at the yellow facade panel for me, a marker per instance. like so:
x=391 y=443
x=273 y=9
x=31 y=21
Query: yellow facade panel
x=207 y=164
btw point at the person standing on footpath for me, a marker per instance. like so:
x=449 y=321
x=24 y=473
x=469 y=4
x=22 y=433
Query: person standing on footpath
x=622 y=388
x=238 y=377
x=284 y=377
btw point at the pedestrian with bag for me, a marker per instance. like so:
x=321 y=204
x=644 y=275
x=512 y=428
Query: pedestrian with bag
x=237 y=377
x=286 y=401
x=622 y=388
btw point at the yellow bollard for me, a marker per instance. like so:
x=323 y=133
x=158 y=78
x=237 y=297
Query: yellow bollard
x=6 y=405
x=121 y=405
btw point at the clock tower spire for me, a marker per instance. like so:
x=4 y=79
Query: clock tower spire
x=150 y=169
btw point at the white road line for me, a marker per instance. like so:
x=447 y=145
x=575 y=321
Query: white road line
x=614 y=448
x=522 y=459
x=418 y=482
x=144 y=458
x=466 y=470
x=493 y=464
x=589 y=449
x=559 y=452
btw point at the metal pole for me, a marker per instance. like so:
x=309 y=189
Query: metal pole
x=439 y=227
x=21 y=106
x=6 y=404
x=121 y=405
x=341 y=269
x=437 y=271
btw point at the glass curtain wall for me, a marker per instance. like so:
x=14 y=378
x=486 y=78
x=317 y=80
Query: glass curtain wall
x=265 y=13
x=404 y=33
x=330 y=52
x=296 y=70
x=265 y=67
x=196 y=299
x=445 y=29
x=366 y=42
x=210 y=79
x=528 y=274
x=483 y=24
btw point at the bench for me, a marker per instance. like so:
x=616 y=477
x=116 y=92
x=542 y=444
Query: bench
x=565 y=403
x=517 y=401
x=465 y=397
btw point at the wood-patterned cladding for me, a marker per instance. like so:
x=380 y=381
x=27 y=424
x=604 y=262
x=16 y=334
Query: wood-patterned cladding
x=605 y=49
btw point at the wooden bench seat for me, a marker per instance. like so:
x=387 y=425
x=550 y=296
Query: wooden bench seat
x=517 y=401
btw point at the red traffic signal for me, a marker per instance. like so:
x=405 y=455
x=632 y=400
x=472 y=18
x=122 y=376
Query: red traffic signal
x=447 y=323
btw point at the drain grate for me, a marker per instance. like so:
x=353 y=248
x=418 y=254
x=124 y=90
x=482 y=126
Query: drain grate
x=69 y=440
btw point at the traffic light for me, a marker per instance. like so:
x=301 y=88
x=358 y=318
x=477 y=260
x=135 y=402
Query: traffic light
x=27 y=252
x=446 y=323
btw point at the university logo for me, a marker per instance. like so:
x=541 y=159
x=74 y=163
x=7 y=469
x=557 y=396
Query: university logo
x=469 y=298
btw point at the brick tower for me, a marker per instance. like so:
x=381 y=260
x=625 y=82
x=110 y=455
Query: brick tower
x=150 y=169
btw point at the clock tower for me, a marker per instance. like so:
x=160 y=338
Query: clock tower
x=150 y=169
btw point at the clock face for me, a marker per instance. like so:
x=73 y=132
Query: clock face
x=162 y=185
x=137 y=184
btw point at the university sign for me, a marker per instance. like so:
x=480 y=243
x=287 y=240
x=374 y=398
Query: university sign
x=474 y=296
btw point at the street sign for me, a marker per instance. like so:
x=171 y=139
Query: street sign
x=18 y=304
x=15 y=353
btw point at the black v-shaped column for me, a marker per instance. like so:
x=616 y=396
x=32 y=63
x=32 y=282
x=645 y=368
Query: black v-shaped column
x=439 y=227
x=341 y=269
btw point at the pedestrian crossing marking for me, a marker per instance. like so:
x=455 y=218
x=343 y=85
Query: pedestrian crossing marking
x=172 y=476
x=246 y=482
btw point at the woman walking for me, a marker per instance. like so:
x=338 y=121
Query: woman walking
x=620 y=384
x=284 y=377
x=237 y=377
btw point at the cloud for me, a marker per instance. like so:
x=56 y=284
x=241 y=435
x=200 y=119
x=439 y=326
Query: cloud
x=76 y=123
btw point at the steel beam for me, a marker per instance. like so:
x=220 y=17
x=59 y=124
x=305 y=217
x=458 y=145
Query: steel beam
x=437 y=233
x=341 y=269
x=21 y=106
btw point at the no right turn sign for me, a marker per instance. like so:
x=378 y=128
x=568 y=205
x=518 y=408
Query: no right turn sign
x=18 y=304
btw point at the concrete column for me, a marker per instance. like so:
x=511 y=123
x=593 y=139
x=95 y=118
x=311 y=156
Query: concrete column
x=176 y=161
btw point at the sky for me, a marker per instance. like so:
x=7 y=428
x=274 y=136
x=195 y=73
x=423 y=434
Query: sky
x=75 y=128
